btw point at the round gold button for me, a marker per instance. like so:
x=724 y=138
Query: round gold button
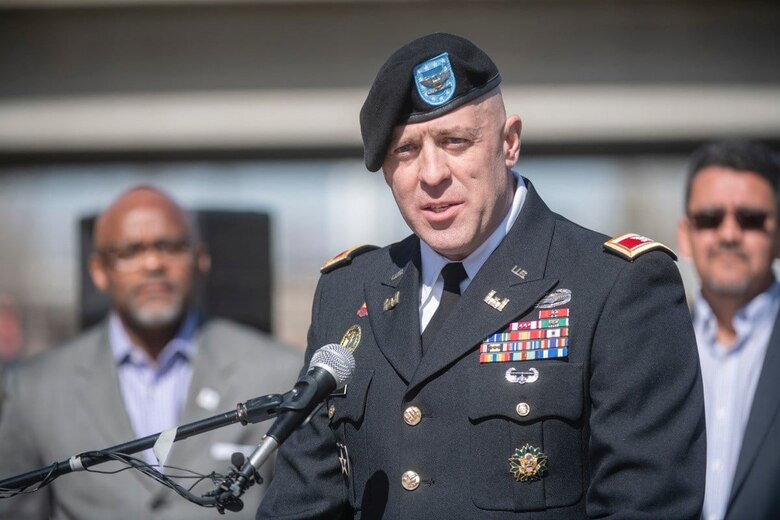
x=331 y=411
x=410 y=480
x=522 y=409
x=412 y=416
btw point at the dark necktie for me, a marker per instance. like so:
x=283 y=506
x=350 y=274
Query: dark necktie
x=453 y=273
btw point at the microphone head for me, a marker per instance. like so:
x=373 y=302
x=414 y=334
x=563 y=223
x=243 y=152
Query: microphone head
x=237 y=459
x=337 y=360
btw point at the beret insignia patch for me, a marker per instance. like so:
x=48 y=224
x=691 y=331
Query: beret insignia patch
x=631 y=246
x=435 y=80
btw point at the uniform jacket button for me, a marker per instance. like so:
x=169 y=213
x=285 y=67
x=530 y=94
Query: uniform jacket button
x=410 y=480
x=412 y=416
x=522 y=409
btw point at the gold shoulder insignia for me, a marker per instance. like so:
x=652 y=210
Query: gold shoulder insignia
x=345 y=257
x=631 y=245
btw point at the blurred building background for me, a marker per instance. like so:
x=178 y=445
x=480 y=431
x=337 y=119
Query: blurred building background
x=253 y=105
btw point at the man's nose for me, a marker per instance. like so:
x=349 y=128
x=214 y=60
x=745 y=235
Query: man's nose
x=729 y=230
x=434 y=168
x=151 y=259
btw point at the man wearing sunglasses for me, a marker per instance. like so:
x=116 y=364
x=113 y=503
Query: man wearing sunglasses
x=153 y=364
x=731 y=233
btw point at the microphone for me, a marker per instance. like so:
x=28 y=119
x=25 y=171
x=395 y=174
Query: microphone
x=331 y=368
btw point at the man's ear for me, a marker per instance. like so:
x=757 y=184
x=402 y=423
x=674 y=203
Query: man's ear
x=203 y=260
x=684 y=238
x=512 y=128
x=97 y=271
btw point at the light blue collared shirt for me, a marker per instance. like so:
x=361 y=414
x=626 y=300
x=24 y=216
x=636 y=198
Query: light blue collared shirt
x=432 y=283
x=154 y=393
x=730 y=378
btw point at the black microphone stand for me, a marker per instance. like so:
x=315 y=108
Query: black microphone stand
x=252 y=411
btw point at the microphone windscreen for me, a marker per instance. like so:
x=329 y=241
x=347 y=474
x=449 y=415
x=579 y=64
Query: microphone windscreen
x=337 y=360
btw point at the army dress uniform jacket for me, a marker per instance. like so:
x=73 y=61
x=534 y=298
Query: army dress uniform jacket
x=620 y=418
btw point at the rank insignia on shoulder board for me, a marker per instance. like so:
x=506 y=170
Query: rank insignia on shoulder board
x=631 y=245
x=345 y=257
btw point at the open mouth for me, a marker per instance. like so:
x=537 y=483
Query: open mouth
x=440 y=208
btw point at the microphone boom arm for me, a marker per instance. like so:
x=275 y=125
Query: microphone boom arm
x=252 y=411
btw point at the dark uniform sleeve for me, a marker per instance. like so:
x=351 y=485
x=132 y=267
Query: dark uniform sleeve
x=308 y=482
x=647 y=446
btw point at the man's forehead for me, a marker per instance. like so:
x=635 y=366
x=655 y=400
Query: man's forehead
x=144 y=223
x=720 y=179
x=719 y=188
x=464 y=119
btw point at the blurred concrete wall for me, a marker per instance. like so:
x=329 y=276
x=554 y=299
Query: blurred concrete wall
x=282 y=78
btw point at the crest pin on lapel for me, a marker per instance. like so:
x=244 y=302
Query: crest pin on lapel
x=392 y=302
x=519 y=272
x=496 y=302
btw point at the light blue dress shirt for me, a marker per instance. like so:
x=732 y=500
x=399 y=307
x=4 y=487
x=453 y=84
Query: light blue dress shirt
x=730 y=378
x=154 y=392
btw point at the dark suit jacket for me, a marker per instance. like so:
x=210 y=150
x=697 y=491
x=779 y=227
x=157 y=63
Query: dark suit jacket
x=621 y=420
x=755 y=491
x=68 y=401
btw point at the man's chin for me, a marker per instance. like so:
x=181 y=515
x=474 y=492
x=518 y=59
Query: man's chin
x=158 y=318
x=728 y=288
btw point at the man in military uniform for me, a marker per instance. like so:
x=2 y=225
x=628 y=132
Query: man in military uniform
x=509 y=362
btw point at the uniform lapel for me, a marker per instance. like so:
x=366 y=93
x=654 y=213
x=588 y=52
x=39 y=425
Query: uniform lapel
x=766 y=405
x=98 y=388
x=524 y=250
x=393 y=308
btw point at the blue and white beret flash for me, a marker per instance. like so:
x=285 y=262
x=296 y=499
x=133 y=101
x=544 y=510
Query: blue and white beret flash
x=424 y=79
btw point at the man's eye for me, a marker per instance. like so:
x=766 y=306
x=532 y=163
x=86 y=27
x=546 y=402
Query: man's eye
x=456 y=141
x=404 y=149
x=172 y=246
x=129 y=251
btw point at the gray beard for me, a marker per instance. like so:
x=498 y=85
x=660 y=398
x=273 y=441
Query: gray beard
x=730 y=290
x=158 y=318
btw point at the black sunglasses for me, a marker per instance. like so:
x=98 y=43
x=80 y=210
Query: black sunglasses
x=747 y=219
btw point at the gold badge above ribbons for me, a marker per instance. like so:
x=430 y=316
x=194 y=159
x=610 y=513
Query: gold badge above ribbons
x=528 y=464
x=351 y=338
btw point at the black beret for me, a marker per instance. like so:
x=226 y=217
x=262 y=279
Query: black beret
x=424 y=79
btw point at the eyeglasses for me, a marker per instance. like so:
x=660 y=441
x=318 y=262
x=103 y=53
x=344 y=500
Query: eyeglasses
x=748 y=219
x=129 y=257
